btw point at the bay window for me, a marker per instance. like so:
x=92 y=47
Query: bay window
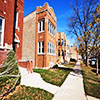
x=51 y=48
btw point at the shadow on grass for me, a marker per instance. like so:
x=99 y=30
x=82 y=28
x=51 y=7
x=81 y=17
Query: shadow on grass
x=89 y=77
x=94 y=70
x=76 y=71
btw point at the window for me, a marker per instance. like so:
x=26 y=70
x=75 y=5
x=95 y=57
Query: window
x=51 y=29
x=58 y=52
x=1 y=30
x=58 y=41
x=16 y=20
x=51 y=48
x=65 y=43
x=67 y=54
x=48 y=47
x=41 y=25
x=62 y=53
x=41 y=47
x=68 y=47
x=61 y=41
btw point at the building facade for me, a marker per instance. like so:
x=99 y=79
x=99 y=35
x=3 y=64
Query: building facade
x=61 y=47
x=68 y=54
x=40 y=29
x=28 y=48
x=11 y=27
x=74 y=53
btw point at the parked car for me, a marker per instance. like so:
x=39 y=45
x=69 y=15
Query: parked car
x=92 y=62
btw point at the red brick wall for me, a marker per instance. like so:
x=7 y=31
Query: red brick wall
x=8 y=8
x=26 y=64
x=3 y=55
x=42 y=60
x=20 y=9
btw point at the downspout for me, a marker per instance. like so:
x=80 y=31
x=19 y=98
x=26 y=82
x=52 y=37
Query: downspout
x=15 y=6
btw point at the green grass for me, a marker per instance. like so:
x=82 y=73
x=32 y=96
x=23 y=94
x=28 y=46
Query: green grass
x=30 y=93
x=70 y=64
x=91 y=81
x=53 y=76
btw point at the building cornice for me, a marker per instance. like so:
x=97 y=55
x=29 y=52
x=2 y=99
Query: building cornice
x=48 y=12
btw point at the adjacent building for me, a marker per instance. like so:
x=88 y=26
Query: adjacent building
x=11 y=27
x=61 y=47
x=39 y=37
x=74 y=52
x=68 y=52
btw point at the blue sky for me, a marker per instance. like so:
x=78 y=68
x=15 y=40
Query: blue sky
x=62 y=11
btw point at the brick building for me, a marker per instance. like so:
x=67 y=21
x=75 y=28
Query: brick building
x=68 y=52
x=41 y=47
x=74 y=53
x=61 y=47
x=11 y=27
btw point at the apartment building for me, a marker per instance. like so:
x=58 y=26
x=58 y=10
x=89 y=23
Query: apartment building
x=11 y=27
x=61 y=47
x=68 y=53
x=74 y=53
x=39 y=37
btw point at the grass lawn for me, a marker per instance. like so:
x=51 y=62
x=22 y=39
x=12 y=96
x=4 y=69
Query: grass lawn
x=70 y=64
x=30 y=93
x=54 y=76
x=91 y=81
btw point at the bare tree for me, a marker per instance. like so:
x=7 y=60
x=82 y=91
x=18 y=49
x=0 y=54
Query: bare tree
x=95 y=30
x=78 y=23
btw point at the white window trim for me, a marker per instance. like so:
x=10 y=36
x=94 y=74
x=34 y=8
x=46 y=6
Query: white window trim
x=41 y=21
x=51 y=28
x=51 y=47
x=2 y=36
x=40 y=48
x=17 y=15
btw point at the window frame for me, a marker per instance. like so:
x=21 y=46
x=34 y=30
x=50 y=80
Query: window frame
x=16 y=23
x=58 y=52
x=58 y=41
x=41 y=25
x=41 y=47
x=2 y=31
x=51 y=29
x=51 y=48
x=62 y=41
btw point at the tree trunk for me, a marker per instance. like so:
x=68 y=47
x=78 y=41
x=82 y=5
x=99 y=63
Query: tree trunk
x=86 y=54
x=97 y=65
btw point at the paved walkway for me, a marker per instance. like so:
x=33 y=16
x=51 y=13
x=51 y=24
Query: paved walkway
x=72 y=88
x=35 y=80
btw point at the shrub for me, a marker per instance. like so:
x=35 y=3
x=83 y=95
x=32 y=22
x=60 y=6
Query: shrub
x=9 y=74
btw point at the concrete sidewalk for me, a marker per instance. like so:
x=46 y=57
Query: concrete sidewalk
x=72 y=88
x=35 y=80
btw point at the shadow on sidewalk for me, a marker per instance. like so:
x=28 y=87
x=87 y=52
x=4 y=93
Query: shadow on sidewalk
x=76 y=71
x=62 y=68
